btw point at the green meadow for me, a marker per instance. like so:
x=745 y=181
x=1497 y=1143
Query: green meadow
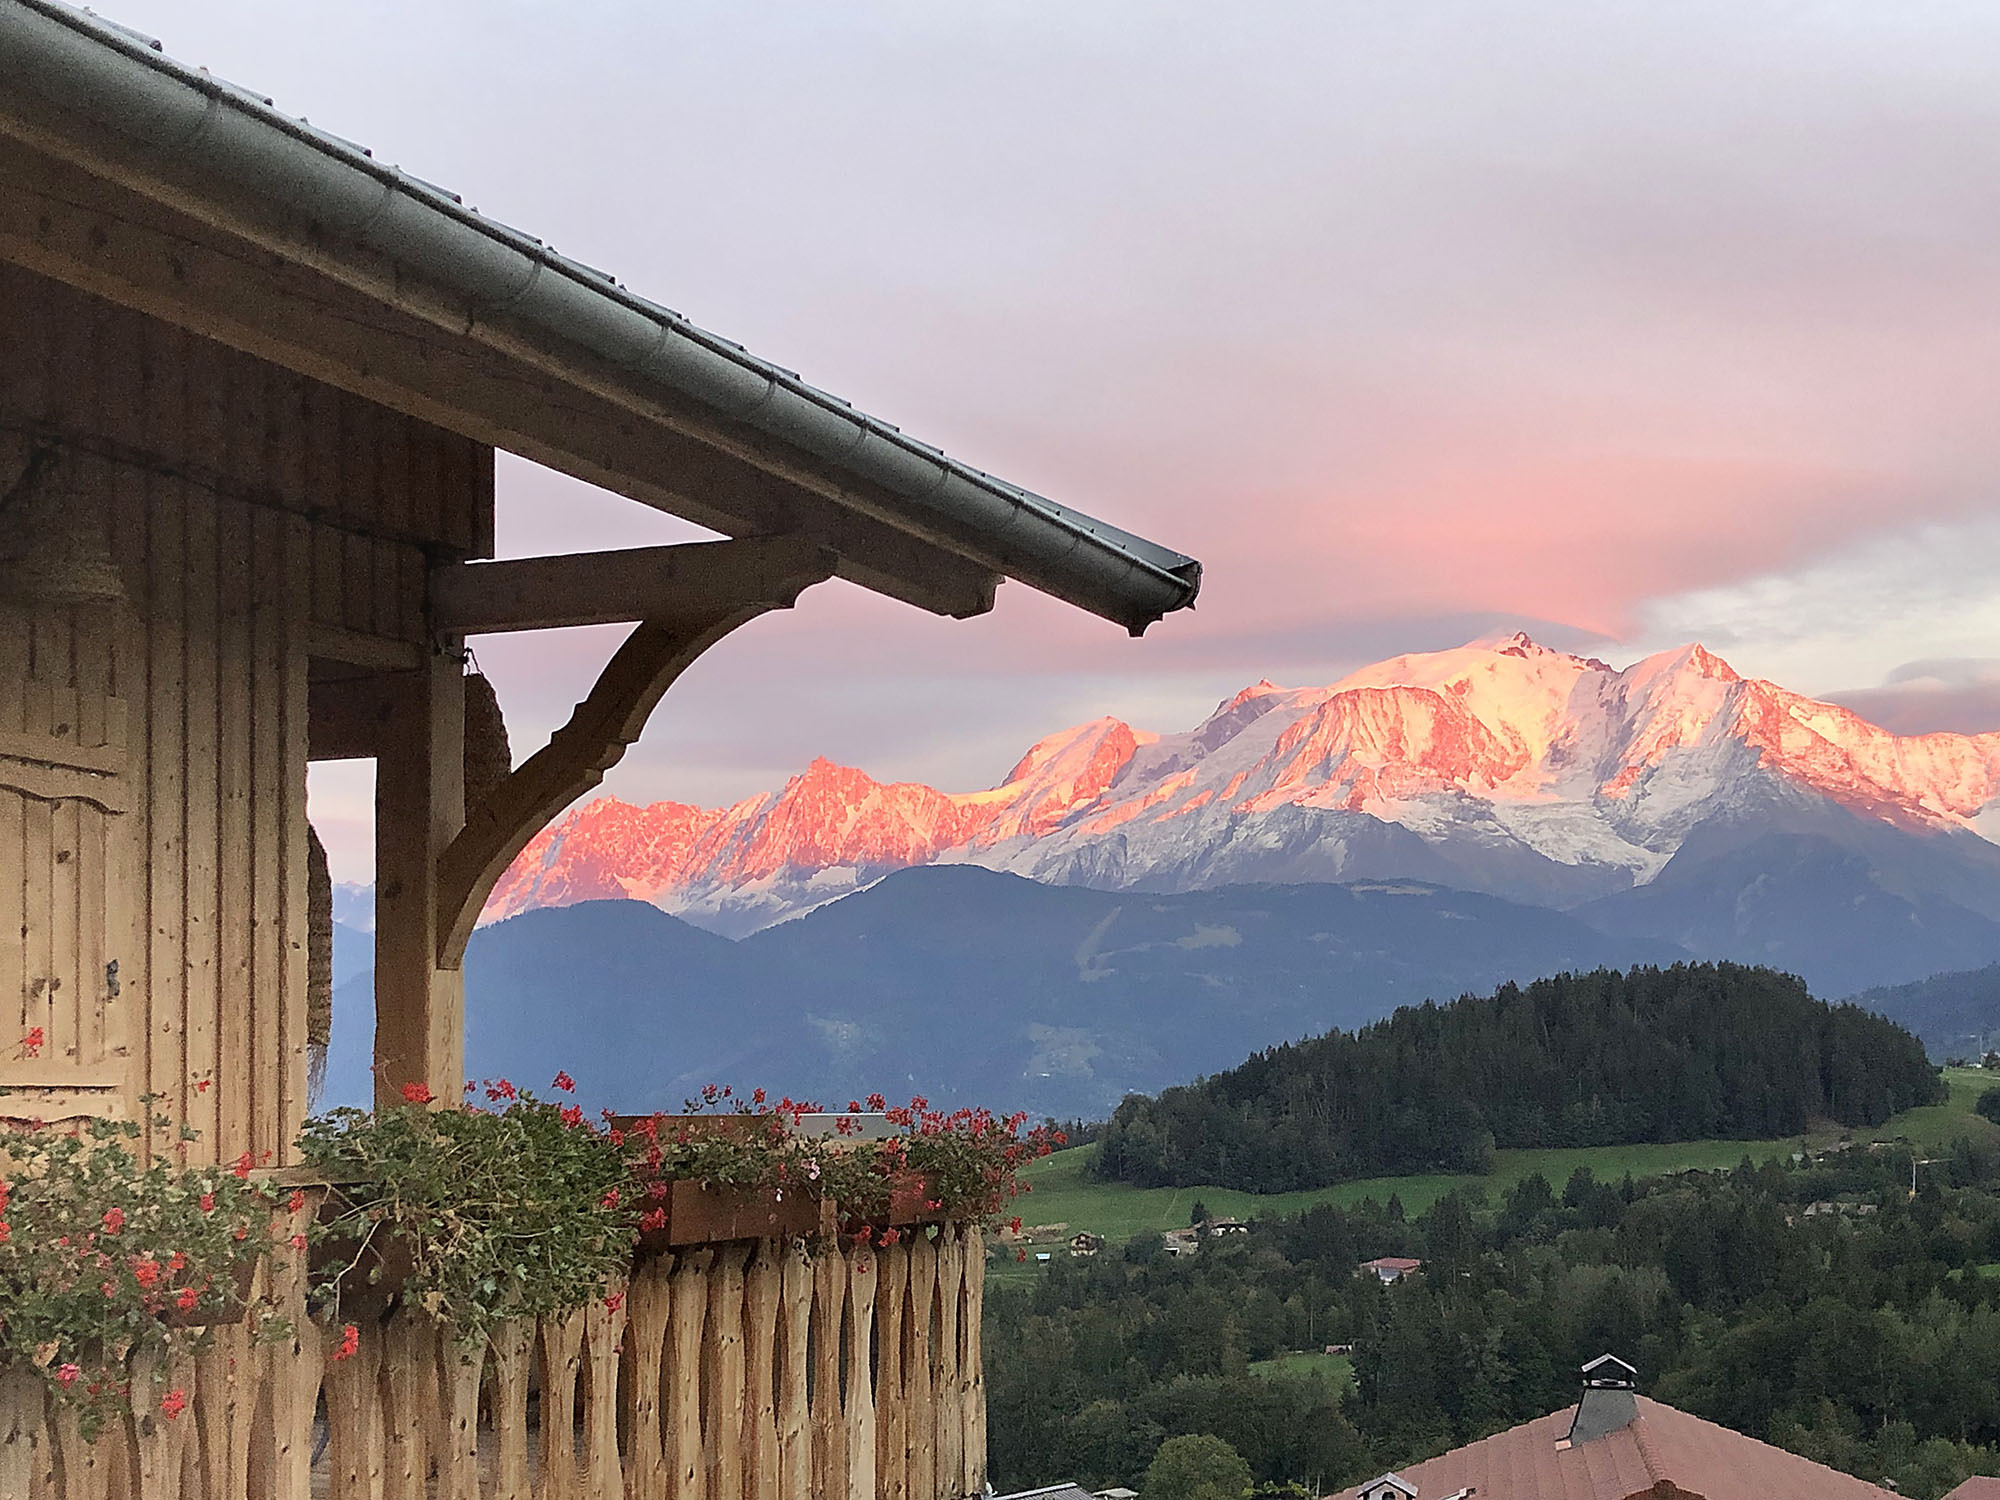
x=1063 y=1193
x=1336 y=1369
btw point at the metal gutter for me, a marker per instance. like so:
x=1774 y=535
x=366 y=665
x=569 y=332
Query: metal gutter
x=236 y=145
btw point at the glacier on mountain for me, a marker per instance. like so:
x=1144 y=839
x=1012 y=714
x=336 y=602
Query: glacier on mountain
x=1501 y=766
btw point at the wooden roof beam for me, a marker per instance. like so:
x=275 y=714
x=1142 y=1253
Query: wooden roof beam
x=618 y=587
x=745 y=579
x=105 y=239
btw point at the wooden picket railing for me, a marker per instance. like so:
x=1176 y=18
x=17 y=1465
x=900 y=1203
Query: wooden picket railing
x=762 y=1370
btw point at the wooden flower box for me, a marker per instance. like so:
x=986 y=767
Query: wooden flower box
x=911 y=1195
x=906 y=1207
x=371 y=1275
x=210 y=1313
x=700 y=1214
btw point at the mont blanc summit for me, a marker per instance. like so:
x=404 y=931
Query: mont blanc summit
x=1502 y=766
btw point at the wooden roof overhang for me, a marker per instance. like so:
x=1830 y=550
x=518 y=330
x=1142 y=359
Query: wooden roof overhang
x=158 y=186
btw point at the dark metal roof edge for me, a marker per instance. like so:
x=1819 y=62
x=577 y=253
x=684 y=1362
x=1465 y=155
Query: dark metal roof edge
x=1090 y=563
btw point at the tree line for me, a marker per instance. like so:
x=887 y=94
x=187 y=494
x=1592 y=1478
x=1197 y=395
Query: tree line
x=1691 y=1052
x=1816 y=1306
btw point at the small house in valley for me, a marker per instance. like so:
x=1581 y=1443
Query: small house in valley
x=253 y=380
x=1390 y=1269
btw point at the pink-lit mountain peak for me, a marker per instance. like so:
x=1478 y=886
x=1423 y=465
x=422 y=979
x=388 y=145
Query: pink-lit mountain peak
x=1500 y=744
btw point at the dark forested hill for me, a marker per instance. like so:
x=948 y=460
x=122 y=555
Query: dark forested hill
x=1691 y=1052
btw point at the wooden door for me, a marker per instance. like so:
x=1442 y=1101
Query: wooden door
x=67 y=877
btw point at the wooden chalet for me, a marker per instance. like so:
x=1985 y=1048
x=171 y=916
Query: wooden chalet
x=252 y=380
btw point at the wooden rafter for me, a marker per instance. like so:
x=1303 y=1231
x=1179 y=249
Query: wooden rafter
x=769 y=573
x=607 y=588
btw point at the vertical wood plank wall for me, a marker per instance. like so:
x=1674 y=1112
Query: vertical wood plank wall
x=253 y=515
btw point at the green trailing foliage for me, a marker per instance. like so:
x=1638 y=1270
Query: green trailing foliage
x=108 y=1258
x=1691 y=1052
x=475 y=1214
x=520 y=1207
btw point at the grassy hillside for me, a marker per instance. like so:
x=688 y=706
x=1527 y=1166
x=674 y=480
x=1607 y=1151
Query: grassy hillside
x=1064 y=1194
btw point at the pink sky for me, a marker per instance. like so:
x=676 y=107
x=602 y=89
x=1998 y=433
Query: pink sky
x=1633 y=324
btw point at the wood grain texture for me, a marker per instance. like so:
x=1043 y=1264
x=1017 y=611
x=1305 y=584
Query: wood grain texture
x=153 y=750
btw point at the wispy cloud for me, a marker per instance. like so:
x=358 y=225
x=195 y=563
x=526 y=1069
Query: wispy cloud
x=1667 y=322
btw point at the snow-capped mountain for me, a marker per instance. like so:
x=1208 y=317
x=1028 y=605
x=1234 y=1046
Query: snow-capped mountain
x=1502 y=767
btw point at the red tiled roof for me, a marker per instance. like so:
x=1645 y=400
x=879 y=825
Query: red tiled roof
x=1662 y=1452
x=1976 y=1488
x=1391 y=1263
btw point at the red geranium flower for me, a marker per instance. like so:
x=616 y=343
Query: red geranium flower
x=566 y=1083
x=417 y=1093
x=350 y=1343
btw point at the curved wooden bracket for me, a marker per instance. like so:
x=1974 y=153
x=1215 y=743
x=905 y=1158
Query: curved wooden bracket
x=769 y=573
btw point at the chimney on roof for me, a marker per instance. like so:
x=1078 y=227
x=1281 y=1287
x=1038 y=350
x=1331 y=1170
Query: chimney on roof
x=1609 y=1402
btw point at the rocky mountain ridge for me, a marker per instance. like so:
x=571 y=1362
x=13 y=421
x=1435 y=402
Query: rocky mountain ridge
x=1501 y=766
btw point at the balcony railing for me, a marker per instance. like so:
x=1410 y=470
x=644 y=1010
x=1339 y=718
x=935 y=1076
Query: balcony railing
x=767 y=1370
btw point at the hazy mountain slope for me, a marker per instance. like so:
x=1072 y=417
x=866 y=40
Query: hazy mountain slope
x=1956 y=1014
x=965 y=984
x=1840 y=902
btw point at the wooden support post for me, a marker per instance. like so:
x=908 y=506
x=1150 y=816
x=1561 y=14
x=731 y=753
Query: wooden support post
x=945 y=1354
x=562 y=1360
x=919 y=1363
x=649 y=1307
x=795 y=1445
x=973 y=1368
x=419 y=810
x=687 y=1475
x=723 y=1378
x=604 y=1326
x=410 y=1396
x=454 y=1442
x=860 y=1408
x=24 y=1435
x=513 y=1345
x=892 y=1413
x=762 y=1335
x=829 y=1423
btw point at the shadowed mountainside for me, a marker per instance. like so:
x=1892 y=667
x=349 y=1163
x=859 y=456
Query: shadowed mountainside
x=964 y=984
